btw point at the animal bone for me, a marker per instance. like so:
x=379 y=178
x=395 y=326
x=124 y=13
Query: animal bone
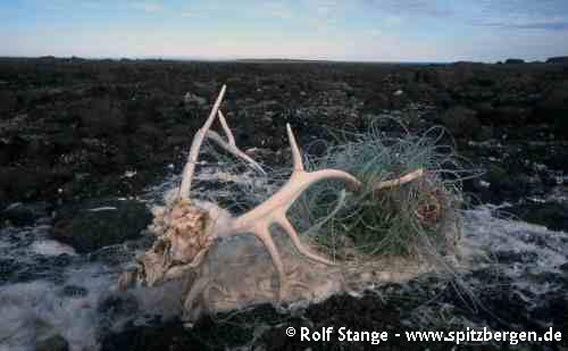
x=188 y=227
x=204 y=131
x=407 y=178
x=273 y=211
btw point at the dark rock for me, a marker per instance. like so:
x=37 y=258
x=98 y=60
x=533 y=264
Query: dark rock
x=48 y=268
x=8 y=101
x=485 y=111
x=553 y=107
x=19 y=183
x=153 y=338
x=92 y=225
x=19 y=214
x=101 y=117
x=512 y=256
x=54 y=343
x=40 y=267
x=508 y=114
x=461 y=121
x=552 y=215
x=74 y=291
x=505 y=184
x=7 y=268
x=485 y=133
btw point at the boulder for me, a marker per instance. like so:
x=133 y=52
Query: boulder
x=552 y=215
x=20 y=214
x=92 y=225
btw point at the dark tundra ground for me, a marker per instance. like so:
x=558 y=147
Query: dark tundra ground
x=79 y=133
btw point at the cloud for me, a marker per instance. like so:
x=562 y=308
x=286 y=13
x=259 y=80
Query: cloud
x=148 y=7
x=325 y=15
x=536 y=23
x=326 y=8
x=421 y=8
x=547 y=15
x=552 y=26
x=278 y=9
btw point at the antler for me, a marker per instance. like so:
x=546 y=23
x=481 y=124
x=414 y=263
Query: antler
x=231 y=146
x=273 y=211
x=187 y=229
x=407 y=178
x=204 y=131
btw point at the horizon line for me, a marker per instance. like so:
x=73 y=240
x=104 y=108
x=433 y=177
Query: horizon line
x=265 y=59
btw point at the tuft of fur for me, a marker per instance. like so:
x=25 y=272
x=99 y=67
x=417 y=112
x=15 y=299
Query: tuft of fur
x=182 y=240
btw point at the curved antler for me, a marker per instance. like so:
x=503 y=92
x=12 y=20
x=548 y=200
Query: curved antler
x=205 y=131
x=190 y=228
x=273 y=211
x=189 y=168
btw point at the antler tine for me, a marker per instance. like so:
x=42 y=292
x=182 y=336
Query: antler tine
x=233 y=149
x=353 y=183
x=189 y=168
x=407 y=178
x=293 y=234
x=226 y=128
x=231 y=145
x=296 y=155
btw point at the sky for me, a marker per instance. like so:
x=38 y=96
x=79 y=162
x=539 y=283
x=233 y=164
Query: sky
x=349 y=30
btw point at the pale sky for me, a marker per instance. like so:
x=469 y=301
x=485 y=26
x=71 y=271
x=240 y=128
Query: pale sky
x=352 y=30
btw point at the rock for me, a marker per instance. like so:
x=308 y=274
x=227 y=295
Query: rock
x=54 y=343
x=552 y=215
x=507 y=114
x=8 y=100
x=192 y=99
x=92 y=225
x=461 y=121
x=485 y=133
x=155 y=337
x=74 y=291
x=19 y=214
x=39 y=268
x=485 y=110
x=20 y=183
x=497 y=185
x=7 y=268
x=553 y=107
